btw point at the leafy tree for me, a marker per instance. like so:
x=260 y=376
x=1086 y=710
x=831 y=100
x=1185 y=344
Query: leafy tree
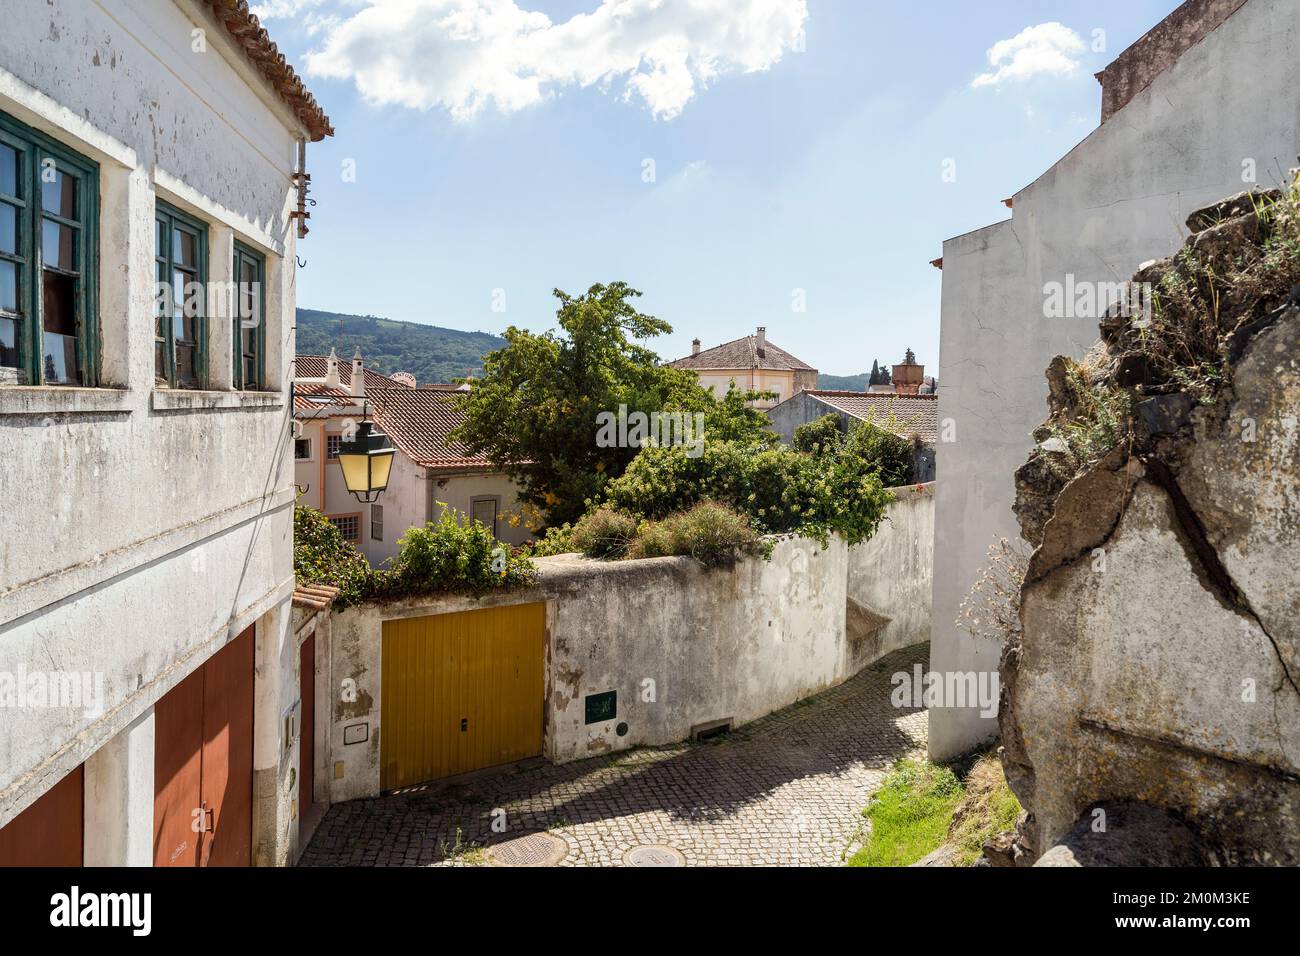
x=534 y=411
x=823 y=434
x=875 y=373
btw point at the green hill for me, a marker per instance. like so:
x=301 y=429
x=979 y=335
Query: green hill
x=843 y=383
x=429 y=352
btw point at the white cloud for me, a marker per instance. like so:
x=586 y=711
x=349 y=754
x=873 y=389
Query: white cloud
x=282 y=9
x=1049 y=49
x=463 y=55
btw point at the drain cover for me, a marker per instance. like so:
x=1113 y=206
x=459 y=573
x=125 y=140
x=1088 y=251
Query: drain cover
x=654 y=855
x=532 y=849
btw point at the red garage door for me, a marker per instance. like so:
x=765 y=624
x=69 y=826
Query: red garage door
x=203 y=763
x=49 y=832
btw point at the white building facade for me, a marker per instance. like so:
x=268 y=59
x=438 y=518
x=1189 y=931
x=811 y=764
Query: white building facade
x=149 y=673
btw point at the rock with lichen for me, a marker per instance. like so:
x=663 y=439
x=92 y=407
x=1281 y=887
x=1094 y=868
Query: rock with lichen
x=1159 y=664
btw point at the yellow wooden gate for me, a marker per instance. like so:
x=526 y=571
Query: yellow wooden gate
x=461 y=691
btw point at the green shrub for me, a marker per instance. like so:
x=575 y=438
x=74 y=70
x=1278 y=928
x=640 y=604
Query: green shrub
x=321 y=555
x=556 y=540
x=455 y=554
x=780 y=490
x=881 y=451
x=711 y=533
x=816 y=437
x=604 y=533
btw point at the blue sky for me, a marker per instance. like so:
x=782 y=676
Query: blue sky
x=798 y=149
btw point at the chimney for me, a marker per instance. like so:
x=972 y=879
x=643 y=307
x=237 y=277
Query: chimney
x=762 y=339
x=695 y=346
x=358 y=387
x=908 y=376
x=332 y=370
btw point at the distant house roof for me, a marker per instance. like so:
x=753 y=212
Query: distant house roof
x=250 y=36
x=743 y=354
x=912 y=414
x=313 y=366
x=418 y=421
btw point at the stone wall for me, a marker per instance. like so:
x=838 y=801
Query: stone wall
x=1229 y=107
x=1160 y=660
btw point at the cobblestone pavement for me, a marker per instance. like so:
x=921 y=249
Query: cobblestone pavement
x=785 y=790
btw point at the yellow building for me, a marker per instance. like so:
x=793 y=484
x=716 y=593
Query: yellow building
x=753 y=363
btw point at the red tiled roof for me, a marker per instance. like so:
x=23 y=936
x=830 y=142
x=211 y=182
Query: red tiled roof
x=251 y=37
x=743 y=353
x=314 y=597
x=313 y=366
x=418 y=421
x=322 y=397
x=912 y=414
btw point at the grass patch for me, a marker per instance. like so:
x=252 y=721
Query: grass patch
x=909 y=815
x=922 y=806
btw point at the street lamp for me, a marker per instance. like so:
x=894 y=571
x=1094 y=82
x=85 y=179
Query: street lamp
x=367 y=461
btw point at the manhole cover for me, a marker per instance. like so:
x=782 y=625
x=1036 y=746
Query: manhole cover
x=654 y=855
x=533 y=849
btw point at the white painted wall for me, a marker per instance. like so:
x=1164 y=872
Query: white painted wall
x=1118 y=199
x=891 y=573
x=732 y=643
x=146 y=527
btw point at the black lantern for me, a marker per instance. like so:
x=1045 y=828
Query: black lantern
x=367 y=462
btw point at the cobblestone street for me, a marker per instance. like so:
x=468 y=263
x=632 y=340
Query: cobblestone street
x=784 y=790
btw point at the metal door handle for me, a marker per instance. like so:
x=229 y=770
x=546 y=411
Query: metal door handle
x=464 y=724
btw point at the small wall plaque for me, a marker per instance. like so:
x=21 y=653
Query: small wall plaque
x=601 y=706
x=356 y=733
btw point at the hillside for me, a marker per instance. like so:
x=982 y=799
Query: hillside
x=429 y=352
x=844 y=383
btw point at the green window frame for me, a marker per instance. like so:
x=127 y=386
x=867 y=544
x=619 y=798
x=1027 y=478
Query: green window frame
x=249 y=321
x=180 y=301
x=49 y=241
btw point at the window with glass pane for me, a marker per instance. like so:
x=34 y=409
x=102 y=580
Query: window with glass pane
x=250 y=329
x=181 y=261
x=48 y=206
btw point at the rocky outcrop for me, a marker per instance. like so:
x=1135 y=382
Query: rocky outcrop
x=1159 y=666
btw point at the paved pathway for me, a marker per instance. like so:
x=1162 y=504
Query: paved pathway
x=784 y=790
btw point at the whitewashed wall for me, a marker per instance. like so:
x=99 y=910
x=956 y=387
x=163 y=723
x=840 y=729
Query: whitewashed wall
x=144 y=527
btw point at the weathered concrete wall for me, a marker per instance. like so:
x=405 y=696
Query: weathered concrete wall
x=890 y=578
x=148 y=525
x=728 y=643
x=684 y=646
x=1118 y=199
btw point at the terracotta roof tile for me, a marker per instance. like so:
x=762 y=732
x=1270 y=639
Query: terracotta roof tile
x=418 y=421
x=743 y=353
x=313 y=366
x=321 y=397
x=314 y=597
x=913 y=414
x=251 y=37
